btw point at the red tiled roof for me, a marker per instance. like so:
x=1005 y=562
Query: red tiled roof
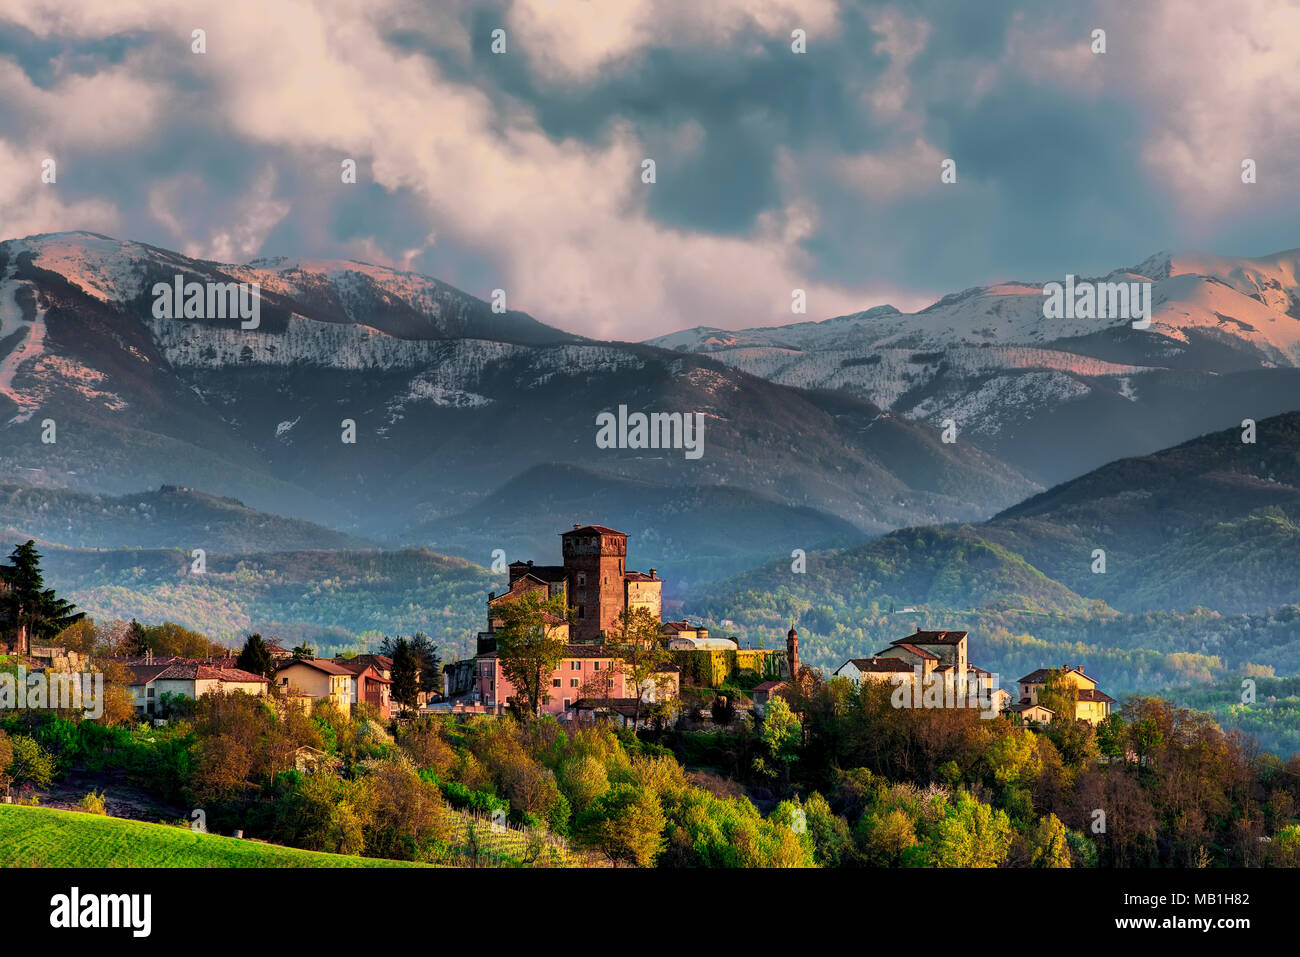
x=912 y=648
x=880 y=664
x=1041 y=675
x=933 y=638
x=381 y=662
x=320 y=664
x=598 y=529
x=143 y=674
x=1094 y=694
x=1025 y=706
x=638 y=577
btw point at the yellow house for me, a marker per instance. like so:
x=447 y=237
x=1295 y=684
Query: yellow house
x=1032 y=713
x=1093 y=704
x=317 y=678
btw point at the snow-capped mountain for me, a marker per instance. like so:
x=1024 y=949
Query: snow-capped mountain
x=448 y=402
x=1056 y=396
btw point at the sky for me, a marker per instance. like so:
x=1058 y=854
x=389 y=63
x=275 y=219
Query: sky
x=775 y=170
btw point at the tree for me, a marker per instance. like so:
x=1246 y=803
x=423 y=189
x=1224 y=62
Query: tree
x=6 y=759
x=636 y=645
x=1112 y=737
x=1049 y=844
x=33 y=610
x=406 y=688
x=626 y=823
x=256 y=657
x=971 y=834
x=426 y=658
x=170 y=638
x=137 y=642
x=531 y=645
x=30 y=763
x=1059 y=694
x=303 y=651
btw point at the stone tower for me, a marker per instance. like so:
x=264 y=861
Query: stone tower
x=792 y=652
x=594 y=567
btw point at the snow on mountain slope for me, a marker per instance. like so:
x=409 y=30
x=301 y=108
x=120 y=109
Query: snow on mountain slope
x=402 y=304
x=988 y=359
x=30 y=342
x=1191 y=290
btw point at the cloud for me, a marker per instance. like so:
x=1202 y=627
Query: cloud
x=28 y=205
x=573 y=42
x=776 y=171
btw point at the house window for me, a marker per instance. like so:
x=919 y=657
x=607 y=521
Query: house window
x=582 y=579
x=595 y=665
x=573 y=682
x=566 y=703
x=582 y=611
x=555 y=682
x=577 y=666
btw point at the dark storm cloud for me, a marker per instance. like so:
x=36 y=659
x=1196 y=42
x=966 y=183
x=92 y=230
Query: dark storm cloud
x=817 y=169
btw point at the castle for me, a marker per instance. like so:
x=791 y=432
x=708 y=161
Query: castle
x=593 y=579
x=597 y=587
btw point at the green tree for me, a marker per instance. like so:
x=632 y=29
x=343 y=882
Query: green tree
x=1049 y=844
x=256 y=658
x=781 y=729
x=626 y=823
x=530 y=645
x=1059 y=694
x=304 y=651
x=426 y=657
x=33 y=610
x=1112 y=737
x=971 y=834
x=30 y=763
x=636 y=645
x=406 y=688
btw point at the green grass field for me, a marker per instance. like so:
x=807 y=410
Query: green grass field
x=43 y=837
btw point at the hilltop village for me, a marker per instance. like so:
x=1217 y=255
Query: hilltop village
x=586 y=730
x=927 y=669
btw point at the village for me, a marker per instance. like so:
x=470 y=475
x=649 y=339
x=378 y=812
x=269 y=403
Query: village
x=589 y=681
x=587 y=729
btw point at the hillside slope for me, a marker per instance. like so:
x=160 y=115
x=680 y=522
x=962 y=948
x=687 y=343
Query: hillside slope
x=1202 y=558
x=168 y=517
x=690 y=534
x=43 y=837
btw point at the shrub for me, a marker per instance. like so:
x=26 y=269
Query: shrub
x=30 y=764
x=93 y=803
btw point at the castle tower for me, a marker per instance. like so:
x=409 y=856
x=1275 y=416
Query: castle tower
x=792 y=651
x=594 y=566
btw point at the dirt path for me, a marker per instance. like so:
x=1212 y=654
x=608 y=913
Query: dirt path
x=121 y=798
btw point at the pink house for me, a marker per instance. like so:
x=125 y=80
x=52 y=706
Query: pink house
x=586 y=671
